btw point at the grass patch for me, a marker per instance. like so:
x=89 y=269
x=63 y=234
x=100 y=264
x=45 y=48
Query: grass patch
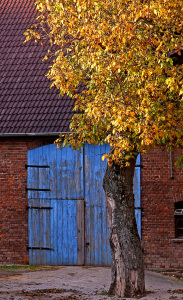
x=149 y=292
x=15 y=267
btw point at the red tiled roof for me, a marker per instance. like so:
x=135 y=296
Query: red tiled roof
x=27 y=104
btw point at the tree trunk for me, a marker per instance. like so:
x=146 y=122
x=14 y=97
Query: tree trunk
x=127 y=258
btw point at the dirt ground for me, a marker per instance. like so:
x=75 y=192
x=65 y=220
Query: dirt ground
x=85 y=283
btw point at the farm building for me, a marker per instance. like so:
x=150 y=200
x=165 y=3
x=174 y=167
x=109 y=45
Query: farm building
x=52 y=204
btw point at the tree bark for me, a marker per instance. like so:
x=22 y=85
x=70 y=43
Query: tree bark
x=127 y=257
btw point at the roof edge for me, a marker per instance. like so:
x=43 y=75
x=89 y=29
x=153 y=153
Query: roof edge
x=32 y=134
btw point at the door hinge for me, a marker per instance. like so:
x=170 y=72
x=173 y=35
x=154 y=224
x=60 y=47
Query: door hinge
x=139 y=208
x=39 y=248
x=39 y=207
x=36 y=166
x=140 y=166
x=37 y=190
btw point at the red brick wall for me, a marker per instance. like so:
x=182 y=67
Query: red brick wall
x=159 y=193
x=13 y=199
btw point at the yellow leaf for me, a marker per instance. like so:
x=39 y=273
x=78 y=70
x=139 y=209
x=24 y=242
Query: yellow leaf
x=105 y=156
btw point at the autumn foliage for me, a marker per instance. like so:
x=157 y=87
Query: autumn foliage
x=129 y=56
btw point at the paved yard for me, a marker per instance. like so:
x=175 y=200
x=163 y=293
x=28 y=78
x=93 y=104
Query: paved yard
x=85 y=283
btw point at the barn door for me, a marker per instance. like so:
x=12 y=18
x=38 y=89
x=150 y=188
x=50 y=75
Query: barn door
x=67 y=214
x=56 y=206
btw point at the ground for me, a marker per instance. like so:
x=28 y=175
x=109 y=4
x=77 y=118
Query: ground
x=84 y=283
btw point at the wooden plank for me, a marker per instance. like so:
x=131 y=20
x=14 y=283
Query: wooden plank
x=80 y=233
x=41 y=226
x=36 y=235
x=138 y=220
x=137 y=193
x=46 y=201
x=52 y=160
x=30 y=235
x=97 y=233
x=72 y=232
x=64 y=246
x=56 y=229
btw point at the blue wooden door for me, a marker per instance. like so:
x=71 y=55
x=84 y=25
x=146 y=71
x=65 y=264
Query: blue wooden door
x=67 y=214
x=56 y=203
